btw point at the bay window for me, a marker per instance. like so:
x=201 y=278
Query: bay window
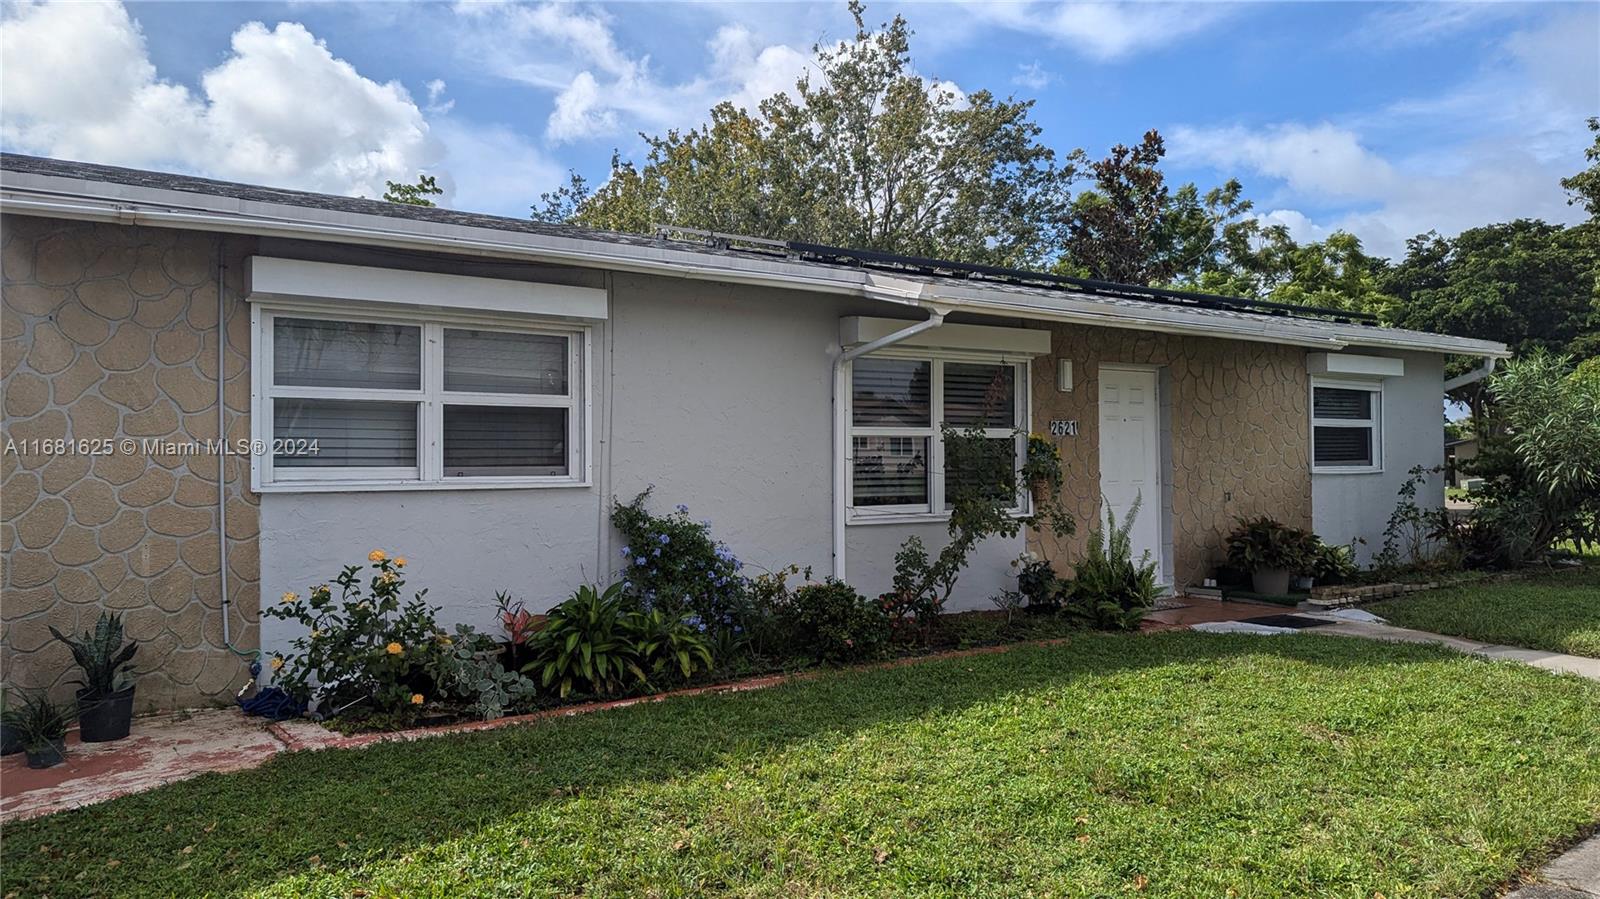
x=351 y=401
x=897 y=402
x=1346 y=426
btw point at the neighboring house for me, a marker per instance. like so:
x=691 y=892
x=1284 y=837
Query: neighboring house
x=478 y=389
x=1457 y=451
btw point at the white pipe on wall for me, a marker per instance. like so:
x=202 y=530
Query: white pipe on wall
x=841 y=427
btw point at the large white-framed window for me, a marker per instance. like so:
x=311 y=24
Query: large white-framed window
x=390 y=400
x=896 y=402
x=1346 y=426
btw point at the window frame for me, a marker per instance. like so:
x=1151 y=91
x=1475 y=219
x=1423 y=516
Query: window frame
x=430 y=397
x=934 y=510
x=1374 y=423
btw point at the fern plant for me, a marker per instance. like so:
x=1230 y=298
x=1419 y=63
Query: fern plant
x=101 y=654
x=1109 y=589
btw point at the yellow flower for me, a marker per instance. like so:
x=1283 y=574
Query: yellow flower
x=377 y=555
x=290 y=596
x=416 y=699
x=395 y=649
x=277 y=662
x=399 y=561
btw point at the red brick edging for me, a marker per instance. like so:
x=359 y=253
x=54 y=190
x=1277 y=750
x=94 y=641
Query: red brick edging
x=299 y=735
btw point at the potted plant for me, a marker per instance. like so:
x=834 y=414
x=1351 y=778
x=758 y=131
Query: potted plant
x=1271 y=552
x=105 y=704
x=41 y=726
x=10 y=737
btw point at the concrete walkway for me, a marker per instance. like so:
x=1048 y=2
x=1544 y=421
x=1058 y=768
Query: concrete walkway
x=1573 y=875
x=1550 y=661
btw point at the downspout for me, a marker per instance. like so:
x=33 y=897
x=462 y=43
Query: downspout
x=1472 y=377
x=222 y=456
x=841 y=428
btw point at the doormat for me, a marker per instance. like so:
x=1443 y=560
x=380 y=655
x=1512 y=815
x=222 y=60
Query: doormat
x=1297 y=622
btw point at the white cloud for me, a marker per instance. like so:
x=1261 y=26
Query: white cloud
x=1388 y=27
x=492 y=168
x=280 y=109
x=1032 y=76
x=437 y=105
x=1494 y=149
x=1106 y=31
x=599 y=89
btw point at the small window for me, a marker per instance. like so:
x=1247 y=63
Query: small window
x=422 y=402
x=1345 y=427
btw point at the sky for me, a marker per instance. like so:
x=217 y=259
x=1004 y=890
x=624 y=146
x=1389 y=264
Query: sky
x=1386 y=120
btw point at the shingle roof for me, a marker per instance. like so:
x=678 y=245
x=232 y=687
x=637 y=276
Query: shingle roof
x=1032 y=292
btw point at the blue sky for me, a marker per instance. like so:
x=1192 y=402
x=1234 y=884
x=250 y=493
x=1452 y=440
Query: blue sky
x=1384 y=119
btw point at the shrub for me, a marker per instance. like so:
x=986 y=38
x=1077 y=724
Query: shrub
x=672 y=563
x=471 y=668
x=1261 y=543
x=832 y=622
x=1109 y=590
x=594 y=643
x=1038 y=583
x=366 y=646
x=1331 y=563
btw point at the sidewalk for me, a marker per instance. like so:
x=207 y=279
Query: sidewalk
x=1550 y=661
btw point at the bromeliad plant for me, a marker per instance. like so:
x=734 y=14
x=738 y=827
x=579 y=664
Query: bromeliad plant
x=365 y=645
x=42 y=727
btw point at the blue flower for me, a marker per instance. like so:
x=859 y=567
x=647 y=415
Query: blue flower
x=705 y=523
x=663 y=539
x=657 y=553
x=639 y=560
x=627 y=551
x=738 y=565
x=683 y=509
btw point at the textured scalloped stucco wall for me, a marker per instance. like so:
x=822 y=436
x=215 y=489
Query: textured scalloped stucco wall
x=110 y=332
x=1240 y=443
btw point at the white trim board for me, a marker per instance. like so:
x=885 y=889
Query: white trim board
x=1351 y=365
x=271 y=277
x=855 y=330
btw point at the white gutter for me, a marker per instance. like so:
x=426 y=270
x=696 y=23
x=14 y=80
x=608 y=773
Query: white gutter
x=1472 y=377
x=841 y=387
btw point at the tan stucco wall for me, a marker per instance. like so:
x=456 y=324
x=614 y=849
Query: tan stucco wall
x=111 y=333
x=1240 y=434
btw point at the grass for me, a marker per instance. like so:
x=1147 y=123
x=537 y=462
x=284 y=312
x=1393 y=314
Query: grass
x=1173 y=764
x=1558 y=612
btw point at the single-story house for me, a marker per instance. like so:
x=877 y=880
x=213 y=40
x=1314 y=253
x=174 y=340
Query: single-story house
x=472 y=391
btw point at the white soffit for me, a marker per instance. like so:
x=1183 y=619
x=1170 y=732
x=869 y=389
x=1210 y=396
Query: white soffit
x=275 y=278
x=855 y=330
x=1350 y=365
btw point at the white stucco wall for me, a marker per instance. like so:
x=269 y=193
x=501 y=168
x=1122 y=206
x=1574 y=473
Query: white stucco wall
x=719 y=395
x=1347 y=506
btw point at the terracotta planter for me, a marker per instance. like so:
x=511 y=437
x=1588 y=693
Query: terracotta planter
x=53 y=753
x=1270 y=581
x=106 y=718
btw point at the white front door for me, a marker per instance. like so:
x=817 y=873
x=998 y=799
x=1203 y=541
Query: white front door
x=1130 y=457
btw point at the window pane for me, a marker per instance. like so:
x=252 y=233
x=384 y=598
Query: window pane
x=989 y=466
x=482 y=441
x=982 y=396
x=501 y=362
x=1335 y=402
x=348 y=433
x=891 y=392
x=312 y=353
x=890 y=471
x=1342 y=446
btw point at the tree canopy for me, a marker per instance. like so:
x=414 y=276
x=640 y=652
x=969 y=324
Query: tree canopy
x=413 y=194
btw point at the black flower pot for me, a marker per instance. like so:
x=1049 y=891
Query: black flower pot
x=53 y=753
x=102 y=719
x=10 y=740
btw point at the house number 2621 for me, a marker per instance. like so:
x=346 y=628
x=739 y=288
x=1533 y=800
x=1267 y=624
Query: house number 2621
x=1064 y=427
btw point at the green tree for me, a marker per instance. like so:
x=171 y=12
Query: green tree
x=866 y=154
x=1585 y=185
x=413 y=194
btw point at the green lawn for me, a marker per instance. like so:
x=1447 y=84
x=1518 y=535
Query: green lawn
x=1558 y=612
x=1174 y=764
